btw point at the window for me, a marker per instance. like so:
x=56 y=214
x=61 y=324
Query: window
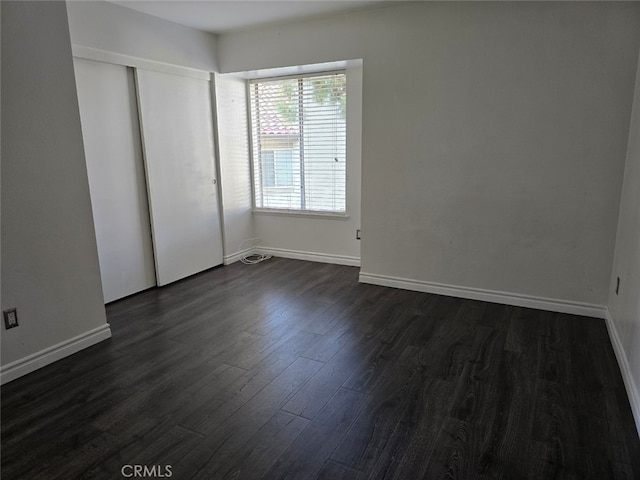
x=298 y=133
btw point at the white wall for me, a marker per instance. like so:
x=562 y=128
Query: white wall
x=49 y=257
x=106 y=26
x=233 y=155
x=494 y=137
x=624 y=307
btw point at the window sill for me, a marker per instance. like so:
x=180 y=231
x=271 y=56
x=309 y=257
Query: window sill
x=305 y=214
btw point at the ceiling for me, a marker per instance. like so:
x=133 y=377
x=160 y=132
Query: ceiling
x=217 y=16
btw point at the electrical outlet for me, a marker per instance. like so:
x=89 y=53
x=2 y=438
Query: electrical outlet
x=358 y=234
x=617 y=285
x=10 y=318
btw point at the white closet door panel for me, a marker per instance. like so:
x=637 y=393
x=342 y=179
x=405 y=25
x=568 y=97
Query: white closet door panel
x=110 y=129
x=177 y=135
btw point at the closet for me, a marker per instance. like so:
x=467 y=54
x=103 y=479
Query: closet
x=148 y=139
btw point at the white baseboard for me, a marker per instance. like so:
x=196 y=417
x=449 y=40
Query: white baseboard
x=236 y=257
x=632 y=389
x=311 y=256
x=540 y=303
x=54 y=353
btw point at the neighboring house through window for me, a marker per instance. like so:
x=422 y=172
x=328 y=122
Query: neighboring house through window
x=277 y=168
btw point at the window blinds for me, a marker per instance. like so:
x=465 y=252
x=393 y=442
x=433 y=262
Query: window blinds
x=298 y=133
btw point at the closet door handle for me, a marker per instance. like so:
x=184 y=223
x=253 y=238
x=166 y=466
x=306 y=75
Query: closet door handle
x=214 y=181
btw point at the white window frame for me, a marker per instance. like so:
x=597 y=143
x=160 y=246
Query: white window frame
x=293 y=212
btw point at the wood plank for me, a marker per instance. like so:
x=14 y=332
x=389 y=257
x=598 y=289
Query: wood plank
x=409 y=447
x=259 y=454
x=365 y=441
x=230 y=436
x=305 y=458
x=207 y=416
x=250 y=383
x=335 y=471
x=311 y=398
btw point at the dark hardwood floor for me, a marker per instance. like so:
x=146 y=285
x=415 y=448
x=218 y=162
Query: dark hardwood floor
x=291 y=369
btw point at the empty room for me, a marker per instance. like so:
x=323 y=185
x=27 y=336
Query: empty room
x=320 y=239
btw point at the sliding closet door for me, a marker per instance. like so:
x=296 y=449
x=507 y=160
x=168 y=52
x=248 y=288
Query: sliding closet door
x=110 y=128
x=177 y=136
